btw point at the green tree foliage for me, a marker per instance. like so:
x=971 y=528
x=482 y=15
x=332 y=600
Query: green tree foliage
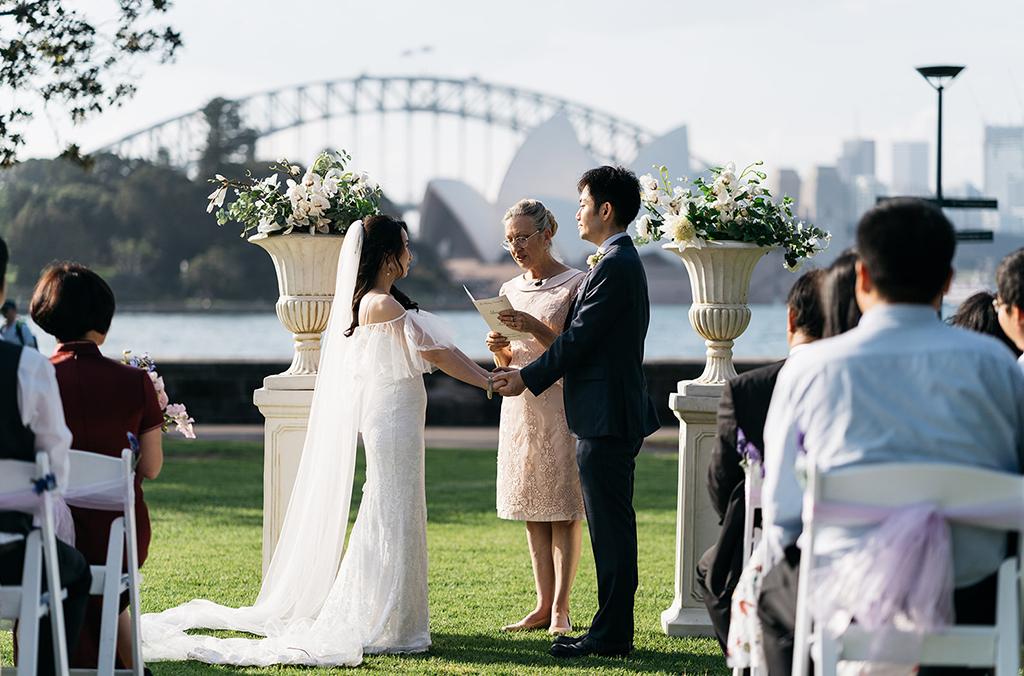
x=145 y=228
x=51 y=48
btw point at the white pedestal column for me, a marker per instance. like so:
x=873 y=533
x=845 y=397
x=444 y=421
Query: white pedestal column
x=697 y=527
x=284 y=401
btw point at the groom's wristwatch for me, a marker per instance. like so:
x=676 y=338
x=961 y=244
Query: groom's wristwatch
x=490 y=387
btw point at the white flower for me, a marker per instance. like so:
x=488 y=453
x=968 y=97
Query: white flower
x=680 y=228
x=268 y=225
x=594 y=258
x=643 y=226
x=216 y=197
x=270 y=183
x=648 y=183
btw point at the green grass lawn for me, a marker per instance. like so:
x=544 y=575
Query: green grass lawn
x=207 y=517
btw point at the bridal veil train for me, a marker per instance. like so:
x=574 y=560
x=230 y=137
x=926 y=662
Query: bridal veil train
x=315 y=606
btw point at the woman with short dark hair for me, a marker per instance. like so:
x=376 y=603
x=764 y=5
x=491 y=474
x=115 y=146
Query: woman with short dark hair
x=103 y=400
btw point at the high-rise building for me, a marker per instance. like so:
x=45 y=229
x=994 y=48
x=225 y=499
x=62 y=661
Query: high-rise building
x=786 y=182
x=1004 y=174
x=864 y=193
x=910 y=167
x=824 y=199
x=858 y=159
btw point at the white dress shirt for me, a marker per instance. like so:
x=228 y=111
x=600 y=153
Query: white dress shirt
x=1020 y=361
x=42 y=412
x=901 y=387
x=608 y=242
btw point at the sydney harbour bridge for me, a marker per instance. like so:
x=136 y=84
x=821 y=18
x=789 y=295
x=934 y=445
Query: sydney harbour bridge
x=405 y=130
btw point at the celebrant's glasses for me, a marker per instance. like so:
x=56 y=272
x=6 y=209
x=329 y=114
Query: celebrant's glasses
x=518 y=242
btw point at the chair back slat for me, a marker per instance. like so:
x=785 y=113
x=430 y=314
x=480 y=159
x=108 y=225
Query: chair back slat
x=903 y=484
x=90 y=468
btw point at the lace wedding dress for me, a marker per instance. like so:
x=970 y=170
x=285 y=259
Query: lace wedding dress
x=316 y=607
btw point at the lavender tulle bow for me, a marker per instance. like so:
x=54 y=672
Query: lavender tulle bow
x=750 y=455
x=899 y=582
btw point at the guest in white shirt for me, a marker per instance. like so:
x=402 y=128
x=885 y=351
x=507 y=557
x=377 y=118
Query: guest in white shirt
x=32 y=420
x=901 y=387
x=1009 y=301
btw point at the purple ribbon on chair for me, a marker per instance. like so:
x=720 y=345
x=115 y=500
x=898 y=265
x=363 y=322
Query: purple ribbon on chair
x=903 y=569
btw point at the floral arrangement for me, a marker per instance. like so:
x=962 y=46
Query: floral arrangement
x=326 y=199
x=173 y=413
x=731 y=207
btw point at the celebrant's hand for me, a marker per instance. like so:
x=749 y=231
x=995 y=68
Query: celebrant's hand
x=518 y=320
x=496 y=342
x=513 y=385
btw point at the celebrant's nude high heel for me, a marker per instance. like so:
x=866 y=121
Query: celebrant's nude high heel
x=527 y=626
x=561 y=631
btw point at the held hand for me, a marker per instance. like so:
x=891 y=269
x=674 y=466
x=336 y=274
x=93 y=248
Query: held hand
x=513 y=385
x=518 y=320
x=496 y=342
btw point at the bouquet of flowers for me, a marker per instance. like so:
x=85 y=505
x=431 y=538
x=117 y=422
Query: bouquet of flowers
x=173 y=413
x=326 y=199
x=731 y=207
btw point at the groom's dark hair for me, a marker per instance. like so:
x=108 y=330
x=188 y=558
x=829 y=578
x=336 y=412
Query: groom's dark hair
x=617 y=186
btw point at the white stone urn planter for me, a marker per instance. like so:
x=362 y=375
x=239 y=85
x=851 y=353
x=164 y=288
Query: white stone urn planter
x=307 y=268
x=720 y=274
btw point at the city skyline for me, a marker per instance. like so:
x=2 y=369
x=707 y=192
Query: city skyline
x=787 y=84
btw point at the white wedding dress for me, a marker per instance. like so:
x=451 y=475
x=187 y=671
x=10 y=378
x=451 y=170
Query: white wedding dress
x=316 y=607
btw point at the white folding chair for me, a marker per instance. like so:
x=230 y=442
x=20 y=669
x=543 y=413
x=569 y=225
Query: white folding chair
x=752 y=498
x=101 y=482
x=27 y=603
x=890 y=485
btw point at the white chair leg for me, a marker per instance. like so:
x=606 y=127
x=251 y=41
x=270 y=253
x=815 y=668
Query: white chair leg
x=802 y=629
x=1007 y=620
x=28 y=619
x=132 y=554
x=55 y=587
x=111 y=597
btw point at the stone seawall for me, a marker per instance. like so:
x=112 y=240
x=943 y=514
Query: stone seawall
x=221 y=392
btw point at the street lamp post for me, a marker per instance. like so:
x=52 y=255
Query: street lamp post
x=938 y=77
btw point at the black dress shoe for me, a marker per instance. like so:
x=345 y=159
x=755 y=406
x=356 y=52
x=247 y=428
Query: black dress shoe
x=586 y=647
x=567 y=640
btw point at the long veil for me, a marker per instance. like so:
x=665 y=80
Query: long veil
x=309 y=550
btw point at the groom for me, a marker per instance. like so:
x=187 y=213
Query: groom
x=600 y=356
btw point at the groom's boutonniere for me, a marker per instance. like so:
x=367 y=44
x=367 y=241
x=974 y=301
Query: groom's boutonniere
x=594 y=258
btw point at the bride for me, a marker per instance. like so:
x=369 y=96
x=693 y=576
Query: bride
x=310 y=609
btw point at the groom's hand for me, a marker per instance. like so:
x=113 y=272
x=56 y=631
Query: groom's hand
x=513 y=385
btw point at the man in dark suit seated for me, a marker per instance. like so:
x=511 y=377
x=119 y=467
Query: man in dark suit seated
x=744 y=405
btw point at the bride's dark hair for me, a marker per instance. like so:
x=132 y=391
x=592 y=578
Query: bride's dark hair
x=382 y=244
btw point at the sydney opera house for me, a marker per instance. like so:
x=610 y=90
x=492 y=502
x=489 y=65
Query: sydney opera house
x=466 y=228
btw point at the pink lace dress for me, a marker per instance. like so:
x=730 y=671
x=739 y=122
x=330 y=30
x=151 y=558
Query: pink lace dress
x=537 y=475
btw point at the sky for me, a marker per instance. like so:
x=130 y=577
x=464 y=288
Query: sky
x=784 y=81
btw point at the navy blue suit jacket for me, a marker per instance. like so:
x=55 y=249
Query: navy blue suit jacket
x=600 y=352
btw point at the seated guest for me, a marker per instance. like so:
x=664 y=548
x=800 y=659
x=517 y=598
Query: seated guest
x=744 y=405
x=838 y=300
x=882 y=393
x=978 y=313
x=31 y=420
x=1009 y=301
x=104 y=400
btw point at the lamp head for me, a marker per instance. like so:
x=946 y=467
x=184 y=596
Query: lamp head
x=939 y=76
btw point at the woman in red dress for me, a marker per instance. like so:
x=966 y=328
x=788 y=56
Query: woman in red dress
x=103 y=400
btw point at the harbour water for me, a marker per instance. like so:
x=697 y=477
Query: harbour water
x=219 y=337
